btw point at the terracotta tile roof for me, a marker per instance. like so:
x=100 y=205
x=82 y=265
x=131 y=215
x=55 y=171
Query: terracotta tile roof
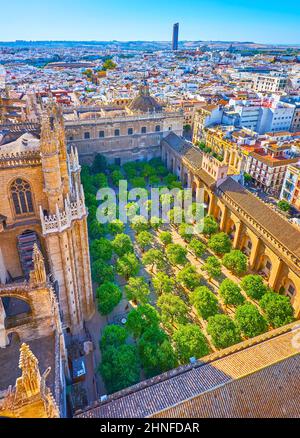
x=210 y=107
x=273 y=161
x=206 y=378
x=191 y=154
x=272 y=392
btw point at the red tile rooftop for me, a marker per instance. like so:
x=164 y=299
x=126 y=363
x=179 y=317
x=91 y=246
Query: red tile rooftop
x=278 y=134
x=250 y=148
x=273 y=161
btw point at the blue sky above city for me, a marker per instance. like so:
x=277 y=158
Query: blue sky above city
x=271 y=21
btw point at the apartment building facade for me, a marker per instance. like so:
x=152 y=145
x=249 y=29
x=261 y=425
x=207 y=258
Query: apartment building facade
x=291 y=186
x=270 y=83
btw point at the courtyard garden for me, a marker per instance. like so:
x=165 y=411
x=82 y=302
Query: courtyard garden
x=187 y=294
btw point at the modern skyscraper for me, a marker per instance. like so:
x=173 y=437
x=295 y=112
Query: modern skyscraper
x=175 y=36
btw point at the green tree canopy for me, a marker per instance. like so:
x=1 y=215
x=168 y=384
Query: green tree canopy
x=132 y=209
x=100 y=180
x=137 y=290
x=277 y=308
x=154 y=180
x=166 y=199
x=250 y=321
x=96 y=230
x=213 y=267
x=101 y=249
x=138 y=181
x=116 y=176
x=102 y=272
x=163 y=283
x=176 y=254
x=113 y=336
x=204 y=301
x=90 y=199
x=154 y=257
x=148 y=205
x=90 y=191
x=116 y=227
x=108 y=296
x=119 y=367
x=144 y=239
x=220 y=243
x=155 y=222
x=128 y=265
x=122 y=244
x=231 y=293
x=236 y=262
x=168 y=179
x=140 y=319
x=148 y=170
x=176 y=215
x=190 y=342
x=165 y=237
x=175 y=185
x=283 y=205
x=189 y=277
x=88 y=72
x=161 y=170
x=109 y=64
x=197 y=247
x=247 y=177
x=130 y=170
x=173 y=309
x=156 y=352
x=254 y=286
x=210 y=226
x=184 y=231
x=223 y=331
x=139 y=223
x=99 y=164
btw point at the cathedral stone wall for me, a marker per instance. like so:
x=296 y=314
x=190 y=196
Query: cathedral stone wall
x=123 y=147
x=57 y=216
x=16 y=225
x=30 y=173
x=40 y=321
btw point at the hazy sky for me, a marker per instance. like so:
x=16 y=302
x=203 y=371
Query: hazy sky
x=270 y=21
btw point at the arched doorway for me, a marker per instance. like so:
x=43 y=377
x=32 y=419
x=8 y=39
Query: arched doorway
x=247 y=245
x=265 y=266
x=195 y=190
x=17 y=312
x=171 y=168
x=25 y=244
x=231 y=229
x=185 y=180
x=166 y=158
x=217 y=214
x=14 y=312
x=289 y=288
x=206 y=199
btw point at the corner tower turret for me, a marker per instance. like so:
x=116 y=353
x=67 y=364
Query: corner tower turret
x=49 y=147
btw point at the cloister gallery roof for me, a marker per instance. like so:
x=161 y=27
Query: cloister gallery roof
x=257 y=377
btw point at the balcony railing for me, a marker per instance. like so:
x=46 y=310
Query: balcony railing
x=62 y=219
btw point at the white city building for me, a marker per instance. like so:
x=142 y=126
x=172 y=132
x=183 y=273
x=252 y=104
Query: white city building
x=270 y=83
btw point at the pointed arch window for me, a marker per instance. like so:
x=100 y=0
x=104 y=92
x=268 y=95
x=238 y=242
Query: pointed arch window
x=22 y=196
